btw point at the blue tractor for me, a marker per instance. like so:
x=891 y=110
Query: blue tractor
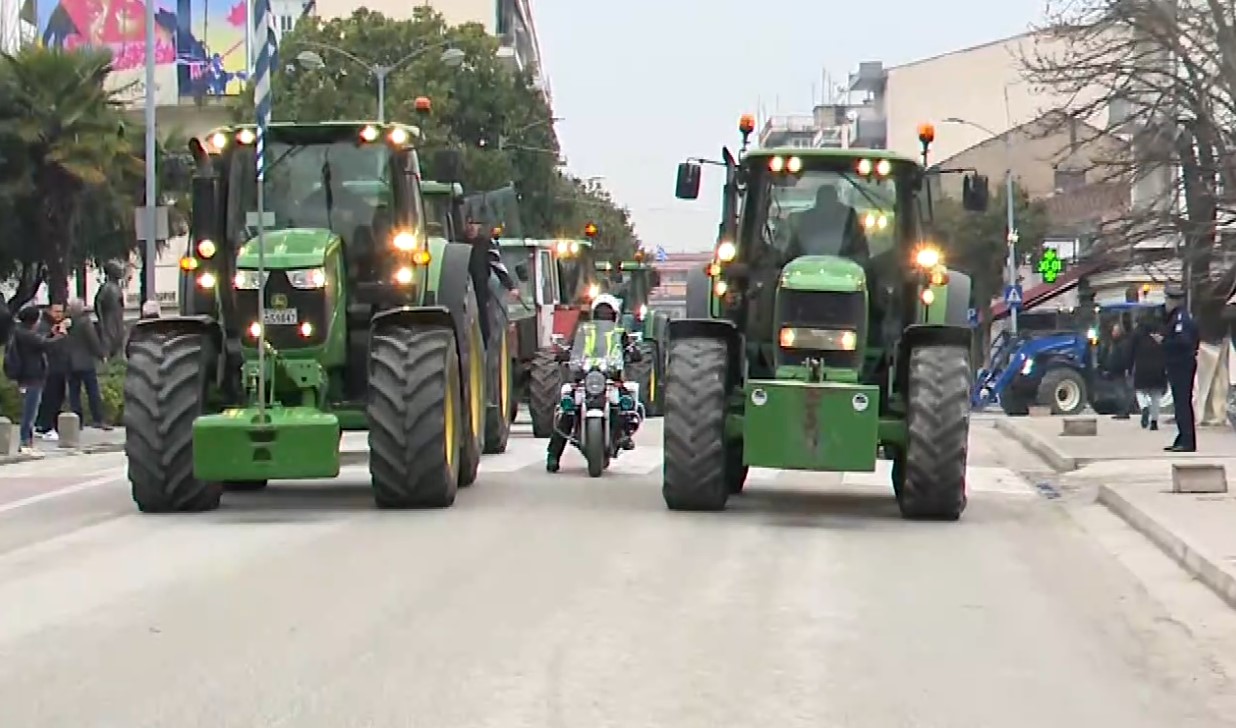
x=1056 y=361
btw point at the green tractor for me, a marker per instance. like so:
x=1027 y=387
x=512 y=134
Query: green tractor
x=632 y=281
x=331 y=309
x=444 y=218
x=826 y=332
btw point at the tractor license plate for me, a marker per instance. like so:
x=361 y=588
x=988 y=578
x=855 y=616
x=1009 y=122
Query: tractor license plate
x=280 y=316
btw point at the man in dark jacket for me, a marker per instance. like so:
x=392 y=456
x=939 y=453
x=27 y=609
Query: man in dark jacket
x=486 y=259
x=56 y=387
x=31 y=348
x=1180 y=339
x=86 y=354
x=109 y=308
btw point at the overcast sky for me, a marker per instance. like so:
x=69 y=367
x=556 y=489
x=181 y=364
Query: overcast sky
x=641 y=84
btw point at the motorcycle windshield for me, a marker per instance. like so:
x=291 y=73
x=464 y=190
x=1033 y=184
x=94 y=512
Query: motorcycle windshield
x=598 y=344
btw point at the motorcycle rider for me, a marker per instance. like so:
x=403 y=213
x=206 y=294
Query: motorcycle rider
x=604 y=309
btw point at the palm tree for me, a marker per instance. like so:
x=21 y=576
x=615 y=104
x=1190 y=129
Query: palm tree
x=66 y=124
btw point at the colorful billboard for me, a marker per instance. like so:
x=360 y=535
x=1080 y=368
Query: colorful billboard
x=211 y=47
x=200 y=45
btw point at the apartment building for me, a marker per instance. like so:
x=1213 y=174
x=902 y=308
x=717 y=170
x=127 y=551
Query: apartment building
x=827 y=126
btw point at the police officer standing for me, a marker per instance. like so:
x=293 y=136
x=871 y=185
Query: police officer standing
x=1180 y=342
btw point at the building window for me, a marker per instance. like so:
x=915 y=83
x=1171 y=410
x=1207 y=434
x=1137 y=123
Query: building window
x=1069 y=180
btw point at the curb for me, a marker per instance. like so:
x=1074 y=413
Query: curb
x=63 y=452
x=1192 y=559
x=1037 y=445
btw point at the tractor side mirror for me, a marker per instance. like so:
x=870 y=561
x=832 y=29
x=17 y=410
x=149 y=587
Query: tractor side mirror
x=448 y=165
x=687 y=186
x=521 y=272
x=975 y=193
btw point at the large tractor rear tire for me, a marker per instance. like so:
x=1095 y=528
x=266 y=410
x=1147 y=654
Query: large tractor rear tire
x=500 y=371
x=698 y=472
x=416 y=417
x=544 y=391
x=938 y=424
x=164 y=387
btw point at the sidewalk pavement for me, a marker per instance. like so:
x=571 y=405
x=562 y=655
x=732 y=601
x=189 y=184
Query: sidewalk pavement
x=92 y=441
x=1133 y=475
x=1117 y=440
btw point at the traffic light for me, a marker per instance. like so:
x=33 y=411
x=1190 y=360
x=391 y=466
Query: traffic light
x=590 y=230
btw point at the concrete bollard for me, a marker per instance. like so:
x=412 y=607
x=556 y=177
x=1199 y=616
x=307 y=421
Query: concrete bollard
x=1038 y=410
x=1198 y=478
x=10 y=437
x=69 y=427
x=1079 y=427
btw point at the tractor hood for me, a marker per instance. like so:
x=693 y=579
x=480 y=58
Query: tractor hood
x=823 y=273
x=289 y=249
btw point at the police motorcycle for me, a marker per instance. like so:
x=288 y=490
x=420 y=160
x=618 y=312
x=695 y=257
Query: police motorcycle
x=599 y=412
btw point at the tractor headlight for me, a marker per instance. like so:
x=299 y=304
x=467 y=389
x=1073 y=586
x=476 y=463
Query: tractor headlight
x=206 y=281
x=1027 y=367
x=248 y=280
x=307 y=278
x=207 y=249
x=927 y=257
x=594 y=384
x=404 y=241
x=818 y=339
x=593 y=291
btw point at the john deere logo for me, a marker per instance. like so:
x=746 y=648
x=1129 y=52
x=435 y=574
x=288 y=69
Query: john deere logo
x=279 y=301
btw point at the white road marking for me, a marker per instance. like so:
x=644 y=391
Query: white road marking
x=113 y=476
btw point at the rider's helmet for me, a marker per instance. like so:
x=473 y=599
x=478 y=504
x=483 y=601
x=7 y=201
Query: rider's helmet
x=605 y=308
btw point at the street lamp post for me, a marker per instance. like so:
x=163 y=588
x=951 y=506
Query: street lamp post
x=309 y=59
x=1012 y=236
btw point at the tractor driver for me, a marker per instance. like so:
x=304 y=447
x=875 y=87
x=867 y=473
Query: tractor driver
x=604 y=312
x=831 y=227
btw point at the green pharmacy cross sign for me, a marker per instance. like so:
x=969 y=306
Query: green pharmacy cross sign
x=1050 y=266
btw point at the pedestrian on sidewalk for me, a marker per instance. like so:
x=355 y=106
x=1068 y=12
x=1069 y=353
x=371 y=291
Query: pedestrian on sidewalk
x=1149 y=371
x=25 y=362
x=86 y=355
x=56 y=387
x=1180 y=340
x=1116 y=367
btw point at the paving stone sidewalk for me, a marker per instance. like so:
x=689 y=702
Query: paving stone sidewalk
x=92 y=441
x=1133 y=475
x=1116 y=440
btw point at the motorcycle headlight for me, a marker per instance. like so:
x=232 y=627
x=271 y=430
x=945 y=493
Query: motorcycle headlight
x=594 y=383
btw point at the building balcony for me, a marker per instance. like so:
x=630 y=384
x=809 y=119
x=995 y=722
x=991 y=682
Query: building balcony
x=870 y=132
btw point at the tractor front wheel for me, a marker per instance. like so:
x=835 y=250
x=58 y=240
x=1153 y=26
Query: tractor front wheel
x=416 y=417
x=698 y=469
x=933 y=479
x=1064 y=390
x=544 y=391
x=164 y=387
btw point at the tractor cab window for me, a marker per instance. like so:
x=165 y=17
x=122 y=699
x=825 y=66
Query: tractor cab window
x=344 y=186
x=438 y=209
x=632 y=287
x=821 y=212
x=516 y=259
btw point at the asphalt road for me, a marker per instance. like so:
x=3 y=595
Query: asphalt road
x=561 y=601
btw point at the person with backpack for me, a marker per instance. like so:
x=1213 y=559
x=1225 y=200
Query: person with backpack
x=25 y=362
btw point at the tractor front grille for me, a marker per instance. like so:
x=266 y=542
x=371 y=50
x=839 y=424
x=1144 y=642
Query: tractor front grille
x=311 y=307
x=822 y=310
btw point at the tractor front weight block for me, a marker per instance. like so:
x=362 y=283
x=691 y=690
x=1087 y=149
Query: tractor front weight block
x=290 y=443
x=794 y=425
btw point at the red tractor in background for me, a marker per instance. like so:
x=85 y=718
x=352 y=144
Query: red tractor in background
x=558 y=281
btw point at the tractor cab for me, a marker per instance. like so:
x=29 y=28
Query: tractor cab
x=632 y=282
x=443 y=210
x=343 y=230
